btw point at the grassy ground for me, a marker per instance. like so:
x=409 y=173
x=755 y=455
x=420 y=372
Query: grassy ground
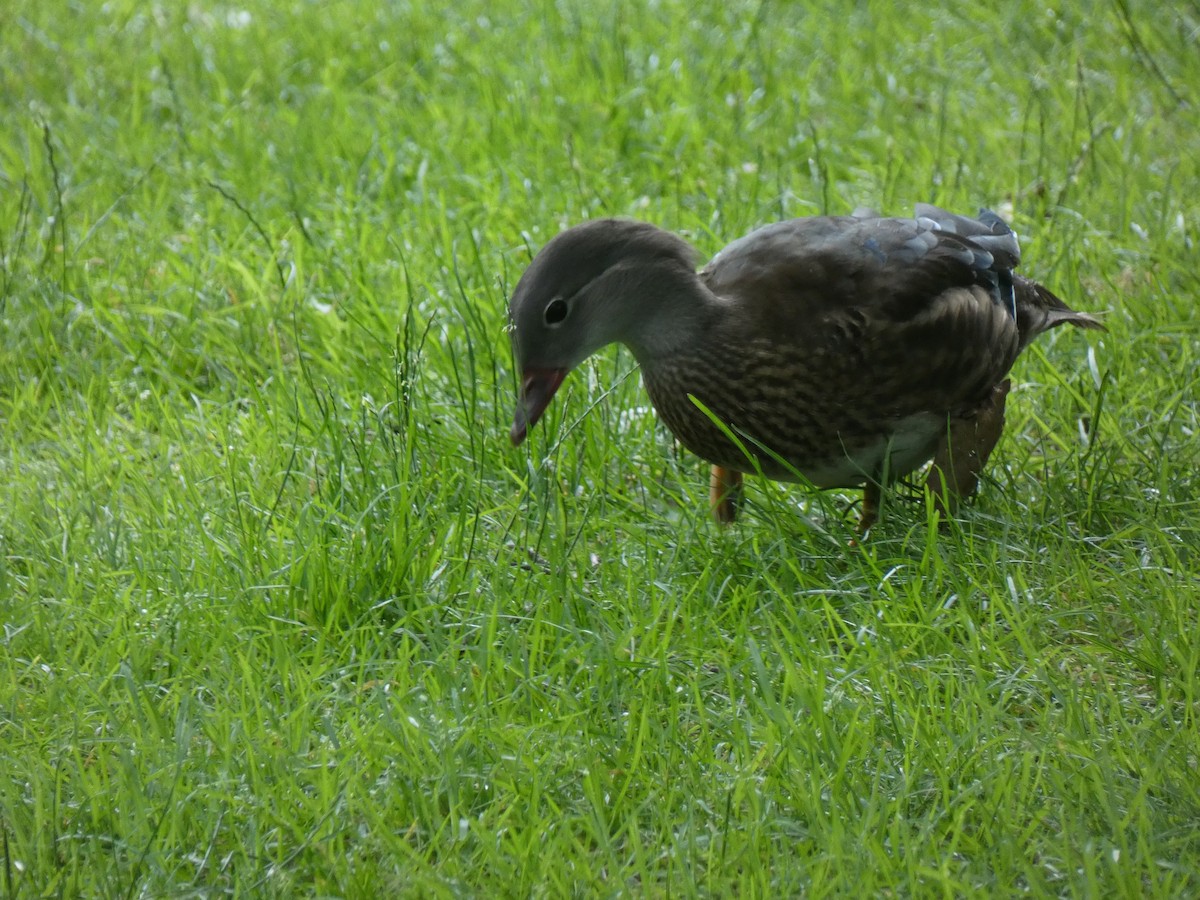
x=284 y=613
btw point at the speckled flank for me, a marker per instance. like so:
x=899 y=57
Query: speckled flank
x=793 y=408
x=831 y=409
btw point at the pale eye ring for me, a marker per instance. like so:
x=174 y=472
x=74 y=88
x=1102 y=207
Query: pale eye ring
x=555 y=312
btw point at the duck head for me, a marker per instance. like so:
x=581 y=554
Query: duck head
x=598 y=283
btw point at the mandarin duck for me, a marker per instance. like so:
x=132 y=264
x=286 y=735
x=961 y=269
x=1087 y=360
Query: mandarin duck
x=845 y=351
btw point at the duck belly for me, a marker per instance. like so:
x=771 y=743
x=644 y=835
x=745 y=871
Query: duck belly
x=882 y=458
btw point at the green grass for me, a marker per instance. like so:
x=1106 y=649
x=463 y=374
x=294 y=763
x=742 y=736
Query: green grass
x=284 y=613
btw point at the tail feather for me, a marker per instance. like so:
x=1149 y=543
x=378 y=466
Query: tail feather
x=1056 y=317
x=1039 y=309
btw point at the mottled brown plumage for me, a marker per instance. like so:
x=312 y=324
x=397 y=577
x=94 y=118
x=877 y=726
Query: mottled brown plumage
x=841 y=350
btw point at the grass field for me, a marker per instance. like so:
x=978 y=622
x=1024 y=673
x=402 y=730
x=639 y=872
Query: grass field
x=284 y=613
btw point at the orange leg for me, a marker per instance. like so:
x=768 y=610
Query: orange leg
x=725 y=494
x=872 y=495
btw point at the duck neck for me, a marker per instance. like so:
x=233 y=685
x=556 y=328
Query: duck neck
x=669 y=311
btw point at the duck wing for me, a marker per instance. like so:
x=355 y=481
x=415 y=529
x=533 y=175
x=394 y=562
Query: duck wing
x=921 y=312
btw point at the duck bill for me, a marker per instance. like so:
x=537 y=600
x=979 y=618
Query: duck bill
x=537 y=390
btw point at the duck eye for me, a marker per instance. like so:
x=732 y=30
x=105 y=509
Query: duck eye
x=556 y=311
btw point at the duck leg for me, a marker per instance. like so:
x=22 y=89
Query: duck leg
x=725 y=494
x=872 y=495
x=961 y=456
